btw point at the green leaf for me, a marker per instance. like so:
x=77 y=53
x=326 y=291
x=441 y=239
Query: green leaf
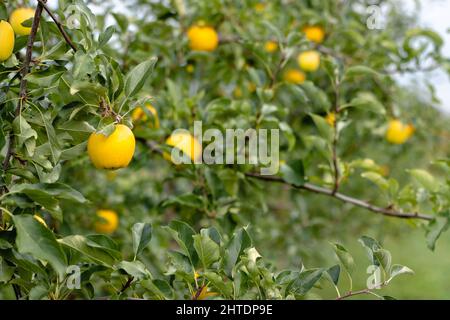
x=325 y=130
x=135 y=269
x=212 y=233
x=104 y=242
x=361 y=70
x=5 y=244
x=6 y=271
x=293 y=172
x=105 y=36
x=333 y=273
x=225 y=288
x=371 y=245
x=316 y=96
x=74 y=152
x=182 y=263
x=344 y=257
x=368 y=102
x=183 y=235
x=121 y=20
x=25 y=133
x=273 y=29
x=27 y=23
x=158 y=289
x=38 y=292
x=142 y=234
x=3 y=12
x=434 y=37
x=425 y=179
x=87 y=90
x=305 y=281
x=135 y=79
x=288 y=134
x=83 y=65
x=397 y=270
x=207 y=250
x=435 y=228
x=377 y=179
x=47 y=77
x=95 y=253
x=48 y=195
x=40 y=242
x=383 y=258
x=28 y=263
x=235 y=247
x=56 y=190
x=189 y=200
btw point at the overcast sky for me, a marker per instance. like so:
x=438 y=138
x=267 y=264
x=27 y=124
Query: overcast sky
x=435 y=14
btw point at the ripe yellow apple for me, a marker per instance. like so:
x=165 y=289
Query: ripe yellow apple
x=294 y=76
x=185 y=142
x=6 y=40
x=18 y=17
x=398 y=132
x=202 y=38
x=108 y=221
x=309 y=60
x=271 y=46
x=259 y=7
x=139 y=115
x=314 y=33
x=190 y=68
x=114 y=151
x=331 y=119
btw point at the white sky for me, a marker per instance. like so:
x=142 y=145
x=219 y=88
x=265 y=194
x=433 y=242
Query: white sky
x=435 y=14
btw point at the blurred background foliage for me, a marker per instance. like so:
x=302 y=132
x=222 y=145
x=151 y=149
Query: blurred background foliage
x=241 y=85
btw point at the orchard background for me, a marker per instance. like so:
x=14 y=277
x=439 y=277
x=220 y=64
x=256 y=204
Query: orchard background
x=364 y=170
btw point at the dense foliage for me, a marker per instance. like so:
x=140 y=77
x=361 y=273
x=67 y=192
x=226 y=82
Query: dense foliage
x=357 y=149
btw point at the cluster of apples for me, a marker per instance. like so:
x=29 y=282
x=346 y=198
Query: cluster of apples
x=308 y=61
x=15 y=26
x=205 y=38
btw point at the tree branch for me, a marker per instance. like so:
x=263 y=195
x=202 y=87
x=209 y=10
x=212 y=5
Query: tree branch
x=390 y=212
x=23 y=82
x=344 y=198
x=58 y=25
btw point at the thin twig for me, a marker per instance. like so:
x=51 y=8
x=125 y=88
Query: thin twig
x=152 y=145
x=354 y=293
x=126 y=285
x=390 y=212
x=58 y=25
x=278 y=68
x=335 y=54
x=198 y=292
x=336 y=135
x=363 y=291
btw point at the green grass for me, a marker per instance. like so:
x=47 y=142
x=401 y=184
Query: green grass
x=430 y=281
